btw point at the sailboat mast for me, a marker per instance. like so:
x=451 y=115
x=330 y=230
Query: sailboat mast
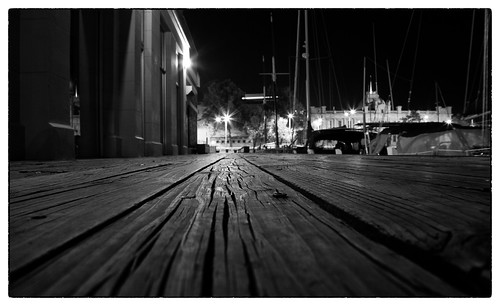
x=296 y=64
x=390 y=85
x=364 y=108
x=437 y=99
x=485 y=73
x=414 y=62
x=308 y=102
x=375 y=57
x=274 y=90
x=264 y=103
x=468 y=63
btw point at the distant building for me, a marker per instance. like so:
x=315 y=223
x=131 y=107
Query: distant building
x=379 y=111
x=321 y=118
x=100 y=83
x=236 y=140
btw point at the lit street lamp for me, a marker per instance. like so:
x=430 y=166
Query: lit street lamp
x=352 y=112
x=348 y=114
x=290 y=117
x=226 y=120
x=186 y=62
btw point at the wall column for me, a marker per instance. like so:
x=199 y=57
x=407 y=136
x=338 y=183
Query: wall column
x=152 y=84
x=122 y=95
x=89 y=82
x=182 y=110
x=171 y=145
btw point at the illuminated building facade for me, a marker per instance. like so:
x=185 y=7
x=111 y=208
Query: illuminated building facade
x=321 y=118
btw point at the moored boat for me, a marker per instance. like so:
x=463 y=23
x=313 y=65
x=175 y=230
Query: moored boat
x=433 y=138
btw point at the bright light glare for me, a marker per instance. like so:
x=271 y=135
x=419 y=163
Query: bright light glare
x=186 y=62
x=290 y=116
x=346 y=114
x=448 y=121
x=352 y=111
x=218 y=119
x=318 y=122
x=227 y=118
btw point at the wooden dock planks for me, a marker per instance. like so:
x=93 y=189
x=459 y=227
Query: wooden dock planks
x=436 y=211
x=46 y=219
x=211 y=226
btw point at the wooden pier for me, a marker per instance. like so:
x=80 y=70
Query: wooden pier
x=224 y=225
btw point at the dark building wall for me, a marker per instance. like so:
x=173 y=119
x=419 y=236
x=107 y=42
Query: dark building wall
x=125 y=65
x=40 y=96
x=127 y=107
x=152 y=83
x=182 y=109
x=88 y=77
x=192 y=121
x=171 y=146
x=16 y=129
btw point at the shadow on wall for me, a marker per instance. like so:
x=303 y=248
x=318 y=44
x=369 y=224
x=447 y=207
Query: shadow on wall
x=56 y=142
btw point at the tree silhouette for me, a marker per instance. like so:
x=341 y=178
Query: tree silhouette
x=221 y=98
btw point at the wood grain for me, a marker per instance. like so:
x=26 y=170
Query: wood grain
x=439 y=209
x=211 y=225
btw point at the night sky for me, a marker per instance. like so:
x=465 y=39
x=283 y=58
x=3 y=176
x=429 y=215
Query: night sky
x=428 y=46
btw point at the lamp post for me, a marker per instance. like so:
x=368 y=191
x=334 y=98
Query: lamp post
x=226 y=120
x=218 y=119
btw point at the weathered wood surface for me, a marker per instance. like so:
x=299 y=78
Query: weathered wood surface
x=436 y=211
x=211 y=225
x=72 y=203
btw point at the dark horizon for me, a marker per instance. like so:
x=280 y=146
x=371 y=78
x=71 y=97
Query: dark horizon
x=428 y=46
